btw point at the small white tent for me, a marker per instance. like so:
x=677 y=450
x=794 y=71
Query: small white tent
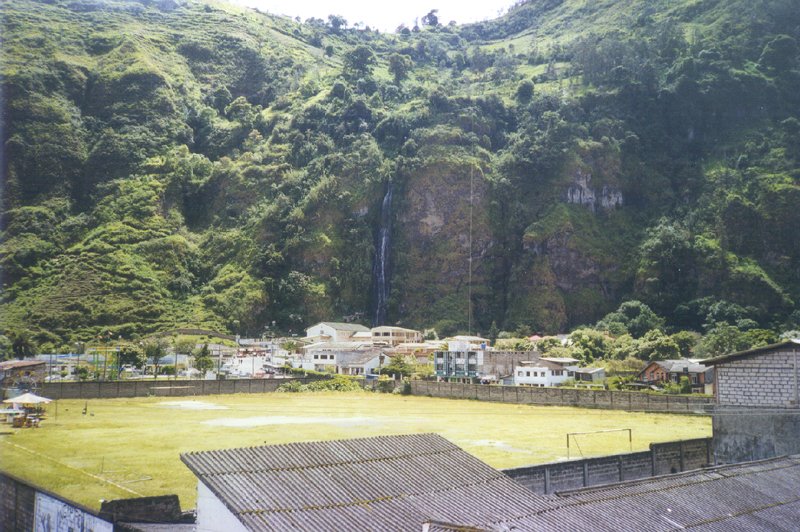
x=28 y=399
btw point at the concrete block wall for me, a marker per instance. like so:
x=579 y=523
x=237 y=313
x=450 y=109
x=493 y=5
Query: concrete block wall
x=161 y=388
x=18 y=509
x=748 y=433
x=563 y=397
x=661 y=459
x=637 y=465
x=769 y=379
x=25 y=507
x=17 y=504
x=604 y=470
x=163 y=508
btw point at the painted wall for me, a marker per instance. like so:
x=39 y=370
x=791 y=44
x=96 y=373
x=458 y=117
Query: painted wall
x=212 y=515
x=56 y=515
x=24 y=507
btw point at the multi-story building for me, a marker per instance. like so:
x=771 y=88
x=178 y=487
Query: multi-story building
x=459 y=366
x=543 y=372
x=391 y=336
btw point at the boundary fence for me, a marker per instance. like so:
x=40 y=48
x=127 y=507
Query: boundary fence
x=160 y=388
x=661 y=459
x=606 y=399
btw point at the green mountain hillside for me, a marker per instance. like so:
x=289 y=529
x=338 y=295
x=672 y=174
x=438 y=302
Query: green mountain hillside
x=171 y=163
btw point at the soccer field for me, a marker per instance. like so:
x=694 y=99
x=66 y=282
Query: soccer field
x=130 y=447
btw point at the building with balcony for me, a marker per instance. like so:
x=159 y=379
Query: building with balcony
x=458 y=366
x=392 y=336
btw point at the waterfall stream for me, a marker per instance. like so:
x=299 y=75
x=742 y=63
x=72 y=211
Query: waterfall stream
x=380 y=268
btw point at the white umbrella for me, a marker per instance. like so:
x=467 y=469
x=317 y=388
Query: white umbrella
x=28 y=399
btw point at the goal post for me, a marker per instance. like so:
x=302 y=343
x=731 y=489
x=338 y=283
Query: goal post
x=572 y=436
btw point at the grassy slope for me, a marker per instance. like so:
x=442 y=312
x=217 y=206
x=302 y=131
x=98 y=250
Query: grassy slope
x=54 y=50
x=123 y=440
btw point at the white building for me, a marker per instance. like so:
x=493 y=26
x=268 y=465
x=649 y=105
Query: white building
x=246 y=366
x=543 y=372
x=329 y=331
x=392 y=336
x=363 y=363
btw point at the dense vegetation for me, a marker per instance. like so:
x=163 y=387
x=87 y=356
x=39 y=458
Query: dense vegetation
x=193 y=164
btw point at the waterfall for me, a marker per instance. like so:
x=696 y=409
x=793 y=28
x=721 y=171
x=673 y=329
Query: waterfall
x=380 y=268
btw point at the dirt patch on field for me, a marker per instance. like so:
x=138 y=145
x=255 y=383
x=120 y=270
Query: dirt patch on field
x=261 y=421
x=191 y=405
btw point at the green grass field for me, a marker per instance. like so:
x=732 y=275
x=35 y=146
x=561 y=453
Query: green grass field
x=130 y=447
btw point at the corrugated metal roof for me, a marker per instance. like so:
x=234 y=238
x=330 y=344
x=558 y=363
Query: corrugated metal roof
x=359 y=358
x=339 y=326
x=793 y=342
x=761 y=495
x=402 y=482
x=380 y=483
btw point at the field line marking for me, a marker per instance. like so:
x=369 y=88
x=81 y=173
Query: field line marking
x=96 y=477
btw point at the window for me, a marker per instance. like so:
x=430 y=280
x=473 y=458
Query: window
x=519 y=374
x=528 y=374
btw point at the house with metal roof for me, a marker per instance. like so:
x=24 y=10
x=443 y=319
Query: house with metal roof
x=757 y=412
x=424 y=482
x=362 y=363
x=383 y=483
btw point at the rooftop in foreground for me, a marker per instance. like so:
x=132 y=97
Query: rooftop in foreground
x=404 y=482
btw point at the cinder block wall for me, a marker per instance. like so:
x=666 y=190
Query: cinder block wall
x=563 y=397
x=661 y=459
x=758 y=411
x=766 y=380
x=160 y=388
x=17 y=503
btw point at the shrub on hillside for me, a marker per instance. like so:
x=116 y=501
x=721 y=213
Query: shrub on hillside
x=335 y=384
